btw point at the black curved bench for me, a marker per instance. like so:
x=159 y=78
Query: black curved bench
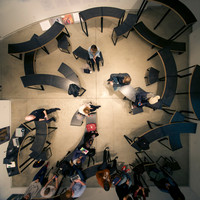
x=124 y=27
x=36 y=43
x=100 y=12
x=179 y=8
x=45 y=79
x=171 y=130
x=13 y=152
x=158 y=41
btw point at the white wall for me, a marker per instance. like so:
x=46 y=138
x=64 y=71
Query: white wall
x=5 y=181
x=16 y=14
x=194 y=58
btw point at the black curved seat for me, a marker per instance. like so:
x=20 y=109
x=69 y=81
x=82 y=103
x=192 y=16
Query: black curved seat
x=124 y=27
x=36 y=42
x=158 y=41
x=100 y=12
x=194 y=91
x=69 y=73
x=45 y=79
x=29 y=62
x=172 y=130
x=178 y=7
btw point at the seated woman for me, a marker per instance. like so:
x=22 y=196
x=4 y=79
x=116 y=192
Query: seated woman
x=94 y=56
x=119 y=80
x=87 y=109
x=105 y=170
x=78 y=158
x=146 y=99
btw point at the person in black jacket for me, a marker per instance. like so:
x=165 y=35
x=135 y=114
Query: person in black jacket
x=41 y=115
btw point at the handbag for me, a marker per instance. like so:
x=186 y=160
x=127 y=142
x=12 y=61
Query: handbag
x=91 y=127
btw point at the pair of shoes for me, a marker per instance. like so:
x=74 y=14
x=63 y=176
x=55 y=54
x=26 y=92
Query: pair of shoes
x=57 y=109
x=123 y=168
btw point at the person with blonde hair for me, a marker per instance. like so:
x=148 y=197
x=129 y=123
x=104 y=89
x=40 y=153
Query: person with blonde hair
x=87 y=109
x=119 y=80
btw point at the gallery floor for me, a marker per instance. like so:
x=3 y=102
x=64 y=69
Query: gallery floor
x=113 y=118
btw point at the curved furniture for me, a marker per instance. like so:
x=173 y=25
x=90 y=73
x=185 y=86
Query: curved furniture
x=179 y=8
x=69 y=74
x=13 y=150
x=172 y=130
x=45 y=79
x=36 y=42
x=158 y=41
x=16 y=145
x=194 y=91
x=29 y=62
x=63 y=42
x=100 y=12
x=77 y=119
x=170 y=75
x=124 y=27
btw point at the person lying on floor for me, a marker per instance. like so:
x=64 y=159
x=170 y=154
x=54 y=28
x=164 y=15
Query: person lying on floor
x=165 y=183
x=41 y=115
x=119 y=80
x=105 y=170
x=87 y=109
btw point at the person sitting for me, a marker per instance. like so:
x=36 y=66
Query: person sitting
x=78 y=158
x=89 y=139
x=50 y=189
x=148 y=99
x=119 y=80
x=36 y=184
x=41 y=115
x=165 y=183
x=87 y=109
x=77 y=186
x=94 y=56
x=105 y=170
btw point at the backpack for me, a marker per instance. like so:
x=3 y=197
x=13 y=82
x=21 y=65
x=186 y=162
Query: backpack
x=91 y=127
x=73 y=90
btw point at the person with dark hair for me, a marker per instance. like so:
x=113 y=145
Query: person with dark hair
x=78 y=158
x=49 y=189
x=165 y=183
x=77 y=187
x=36 y=184
x=94 y=56
x=119 y=80
x=104 y=171
x=41 y=115
x=89 y=139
